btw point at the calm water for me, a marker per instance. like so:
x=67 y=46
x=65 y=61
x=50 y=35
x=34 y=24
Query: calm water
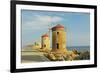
x=80 y=48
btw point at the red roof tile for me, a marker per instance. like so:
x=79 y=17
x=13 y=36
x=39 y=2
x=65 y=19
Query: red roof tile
x=45 y=35
x=58 y=26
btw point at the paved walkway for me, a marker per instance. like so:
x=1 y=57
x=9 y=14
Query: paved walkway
x=33 y=55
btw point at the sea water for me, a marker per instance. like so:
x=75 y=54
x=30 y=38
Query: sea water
x=80 y=48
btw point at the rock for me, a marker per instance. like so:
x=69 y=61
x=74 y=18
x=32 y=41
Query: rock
x=51 y=57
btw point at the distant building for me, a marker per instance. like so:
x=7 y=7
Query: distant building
x=45 y=41
x=59 y=39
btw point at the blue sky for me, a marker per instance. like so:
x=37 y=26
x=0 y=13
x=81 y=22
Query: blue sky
x=36 y=23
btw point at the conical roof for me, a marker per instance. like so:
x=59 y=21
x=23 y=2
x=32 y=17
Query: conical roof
x=58 y=26
x=45 y=35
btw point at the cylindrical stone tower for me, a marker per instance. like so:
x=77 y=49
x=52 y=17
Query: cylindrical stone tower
x=59 y=39
x=45 y=41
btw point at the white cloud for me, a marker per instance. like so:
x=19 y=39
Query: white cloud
x=39 y=22
x=56 y=19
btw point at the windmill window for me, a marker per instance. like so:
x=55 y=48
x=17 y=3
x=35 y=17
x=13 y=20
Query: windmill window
x=57 y=46
x=57 y=33
x=44 y=45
